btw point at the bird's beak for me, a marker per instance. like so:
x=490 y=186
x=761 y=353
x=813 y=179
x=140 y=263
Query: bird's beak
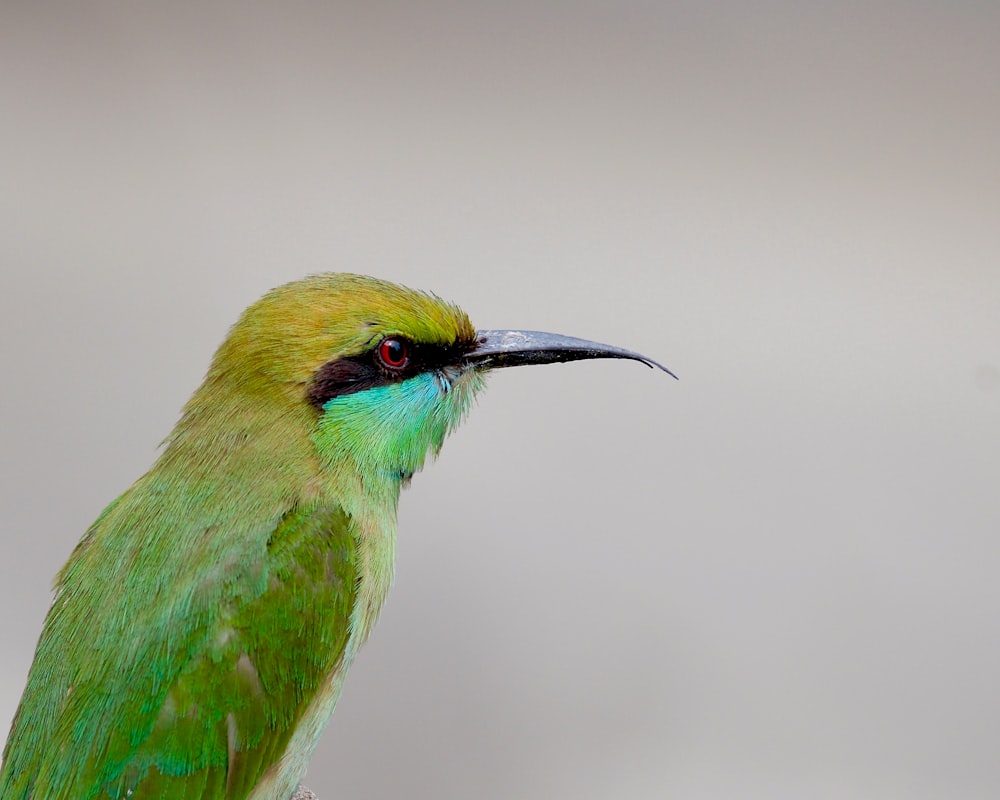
x=495 y=349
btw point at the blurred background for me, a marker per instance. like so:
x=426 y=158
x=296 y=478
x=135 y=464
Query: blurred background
x=776 y=578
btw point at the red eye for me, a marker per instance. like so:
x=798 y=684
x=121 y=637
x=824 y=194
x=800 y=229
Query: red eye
x=394 y=353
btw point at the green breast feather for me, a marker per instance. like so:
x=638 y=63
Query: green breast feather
x=197 y=714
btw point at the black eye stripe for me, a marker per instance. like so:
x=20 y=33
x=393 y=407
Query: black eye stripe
x=340 y=377
x=422 y=357
x=358 y=373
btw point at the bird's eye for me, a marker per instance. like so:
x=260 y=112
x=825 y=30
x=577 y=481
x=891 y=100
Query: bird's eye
x=394 y=353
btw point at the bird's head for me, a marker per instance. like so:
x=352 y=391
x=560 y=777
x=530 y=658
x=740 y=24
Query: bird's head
x=379 y=372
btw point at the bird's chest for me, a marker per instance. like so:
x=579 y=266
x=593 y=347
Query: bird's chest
x=375 y=553
x=376 y=560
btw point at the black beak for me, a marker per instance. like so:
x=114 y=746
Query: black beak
x=495 y=349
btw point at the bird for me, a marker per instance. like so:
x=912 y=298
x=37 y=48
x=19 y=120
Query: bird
x=201 y=629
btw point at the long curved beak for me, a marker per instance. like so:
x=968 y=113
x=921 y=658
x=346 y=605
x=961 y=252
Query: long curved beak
x=495 y=349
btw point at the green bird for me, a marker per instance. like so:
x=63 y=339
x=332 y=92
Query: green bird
x=202 y=628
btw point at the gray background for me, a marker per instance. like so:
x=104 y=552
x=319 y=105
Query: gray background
x=776 y=578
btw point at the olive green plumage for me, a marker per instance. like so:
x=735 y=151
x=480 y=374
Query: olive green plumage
x=202 y=628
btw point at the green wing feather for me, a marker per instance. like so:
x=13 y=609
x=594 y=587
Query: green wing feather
x=195 y=695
